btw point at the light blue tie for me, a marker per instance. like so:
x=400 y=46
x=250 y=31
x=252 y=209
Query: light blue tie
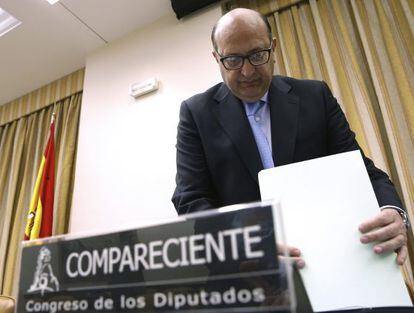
x=259 y=136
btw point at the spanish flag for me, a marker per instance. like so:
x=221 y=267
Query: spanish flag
x=40 y=218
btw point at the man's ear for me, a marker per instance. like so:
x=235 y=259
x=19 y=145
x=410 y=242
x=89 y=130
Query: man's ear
x=274 y=43
x=215 y=55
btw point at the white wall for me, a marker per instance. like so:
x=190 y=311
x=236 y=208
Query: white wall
x=126 y=153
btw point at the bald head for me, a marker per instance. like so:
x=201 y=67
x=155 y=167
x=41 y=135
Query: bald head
x=244 y=36
x=235 y=19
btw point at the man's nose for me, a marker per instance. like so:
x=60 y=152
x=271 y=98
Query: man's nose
x=247 y=69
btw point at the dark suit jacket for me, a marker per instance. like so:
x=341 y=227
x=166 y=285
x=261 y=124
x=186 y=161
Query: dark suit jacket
x=217 y=157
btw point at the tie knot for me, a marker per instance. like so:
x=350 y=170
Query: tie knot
x=253 y=107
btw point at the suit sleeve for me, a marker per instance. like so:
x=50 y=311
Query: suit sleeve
x=194 y=190
x=341 y=139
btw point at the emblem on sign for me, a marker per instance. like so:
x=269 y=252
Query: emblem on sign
x=44 y=279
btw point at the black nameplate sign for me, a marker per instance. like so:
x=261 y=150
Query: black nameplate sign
x=215 y=262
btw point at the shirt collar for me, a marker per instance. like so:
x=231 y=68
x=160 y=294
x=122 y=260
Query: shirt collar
x=263 y=99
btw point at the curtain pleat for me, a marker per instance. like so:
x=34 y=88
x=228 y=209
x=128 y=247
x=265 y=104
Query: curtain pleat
x=42 y=97
x=364 y=50
x=22 y=143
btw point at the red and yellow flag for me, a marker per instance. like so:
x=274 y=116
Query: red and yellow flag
x=40 y=219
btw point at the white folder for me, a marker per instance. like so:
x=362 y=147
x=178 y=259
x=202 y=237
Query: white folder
x=323 y=202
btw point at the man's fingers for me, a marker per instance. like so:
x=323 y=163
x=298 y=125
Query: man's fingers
x=292 y=255
x=402 y=255
x=289 y=250
x=298 y=262
x=384 y=218
x=294 y=252
x=385 y=233
x=388 y=231
x=393 y=244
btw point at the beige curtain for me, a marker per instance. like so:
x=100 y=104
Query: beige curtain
x=365 y=51
x=22 y=143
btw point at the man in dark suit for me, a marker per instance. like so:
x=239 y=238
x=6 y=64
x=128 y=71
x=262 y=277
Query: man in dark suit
x=253 y=120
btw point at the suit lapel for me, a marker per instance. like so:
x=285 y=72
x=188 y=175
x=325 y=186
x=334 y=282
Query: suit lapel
x=231 y=116
x=284 y=111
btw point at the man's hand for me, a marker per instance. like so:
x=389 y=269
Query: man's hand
x=386 y=228
x=293 y=254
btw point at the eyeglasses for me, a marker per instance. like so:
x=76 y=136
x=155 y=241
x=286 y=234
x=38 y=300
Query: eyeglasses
x=235 y=62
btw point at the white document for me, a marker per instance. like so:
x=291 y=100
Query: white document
x=323 y=202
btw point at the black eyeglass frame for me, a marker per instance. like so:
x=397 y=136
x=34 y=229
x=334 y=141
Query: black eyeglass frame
x=245 y=56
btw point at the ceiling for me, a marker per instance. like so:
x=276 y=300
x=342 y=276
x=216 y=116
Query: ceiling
x=54 y=40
